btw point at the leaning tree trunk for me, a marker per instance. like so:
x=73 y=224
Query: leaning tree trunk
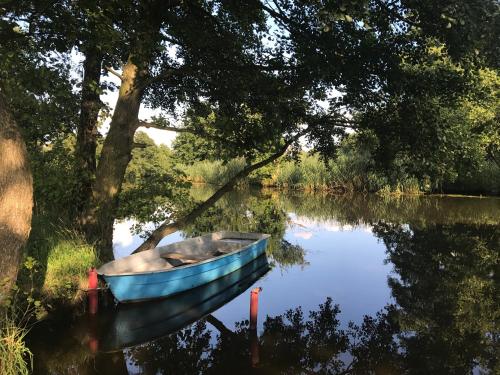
x=168 y=228
x=16 y=197
x=115 y=156
x=86 y=140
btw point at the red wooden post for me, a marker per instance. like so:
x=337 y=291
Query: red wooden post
x=92 y=292
x=254 y=307
x=92 y=279
x=254 y=339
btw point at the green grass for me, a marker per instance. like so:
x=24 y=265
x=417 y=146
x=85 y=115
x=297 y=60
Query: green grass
x=213 y=172
x=408 y=186
x=64 y=258
x=352 y=171
x=15 y=357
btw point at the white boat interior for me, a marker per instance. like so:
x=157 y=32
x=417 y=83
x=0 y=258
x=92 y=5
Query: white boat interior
x=190 y=251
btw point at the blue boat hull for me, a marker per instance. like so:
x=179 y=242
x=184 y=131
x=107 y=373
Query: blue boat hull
x=147 y=286
x=134 y=324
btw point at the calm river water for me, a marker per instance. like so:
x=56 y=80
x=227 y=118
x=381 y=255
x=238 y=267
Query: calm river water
x=351 y=285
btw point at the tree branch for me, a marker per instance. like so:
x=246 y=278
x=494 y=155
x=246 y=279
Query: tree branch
x=277 y=15
x=170 y=227
x=152 y=125
x=217 y=324
x=166 y=74
x=200 y=133
x=114 y=72
x=343 y=122
x=395 y=14
x=139 y=145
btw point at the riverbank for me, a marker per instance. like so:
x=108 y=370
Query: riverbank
x=343 y=175
x=63 y=259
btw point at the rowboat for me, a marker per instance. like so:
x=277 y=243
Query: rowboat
x=167 y=270
x=135 y=324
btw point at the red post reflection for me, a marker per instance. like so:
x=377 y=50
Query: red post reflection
x=93 y=300
x=93 y=345
x=254 y=348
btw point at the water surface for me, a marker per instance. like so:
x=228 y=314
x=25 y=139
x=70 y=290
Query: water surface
x=355 y=284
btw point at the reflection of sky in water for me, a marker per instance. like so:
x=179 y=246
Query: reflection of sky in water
x=124 y=242
x=344 y=262
x=346 y=265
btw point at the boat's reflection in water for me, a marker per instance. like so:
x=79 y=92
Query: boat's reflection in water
x=134 y=324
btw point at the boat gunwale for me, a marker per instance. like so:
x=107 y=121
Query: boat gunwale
x=264 y=236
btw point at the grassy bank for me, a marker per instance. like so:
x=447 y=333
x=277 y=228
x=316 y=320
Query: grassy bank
x=212 y=172
x=309 y=173
x=63 y=259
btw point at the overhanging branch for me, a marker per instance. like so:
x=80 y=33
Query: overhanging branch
x=168 y=228
x=139 y=145
x=114 y=72
x=153 y=125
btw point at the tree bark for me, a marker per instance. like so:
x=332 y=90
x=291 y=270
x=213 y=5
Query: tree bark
x=168 y=228
x=86 y=140
x=16 y=197
x=115 y=156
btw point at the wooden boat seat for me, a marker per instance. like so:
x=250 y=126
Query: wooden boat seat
x=179 y=259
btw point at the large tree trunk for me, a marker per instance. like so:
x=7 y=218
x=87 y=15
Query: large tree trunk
x=86 y=141
x=115 y=156
x=16 y=197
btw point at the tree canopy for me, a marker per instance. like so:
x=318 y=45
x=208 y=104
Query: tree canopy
x=252 y=78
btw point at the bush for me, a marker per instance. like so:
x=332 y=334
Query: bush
x=287 y=175
x=355 y=169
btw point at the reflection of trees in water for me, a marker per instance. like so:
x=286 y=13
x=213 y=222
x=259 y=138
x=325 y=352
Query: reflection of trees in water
x=245 y=212
x=366 y=209
x=446 y=289
x=290 y=343
x=180 y=352
x=445 y=321
x=448 y=293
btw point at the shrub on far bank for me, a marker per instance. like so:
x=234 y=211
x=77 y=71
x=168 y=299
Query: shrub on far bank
x=212 y=172
x=355 y=168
